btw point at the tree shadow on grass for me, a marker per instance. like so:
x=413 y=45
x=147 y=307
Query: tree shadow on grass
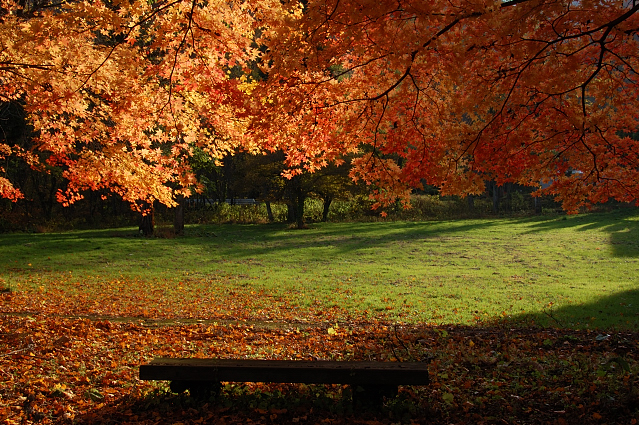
x=95 y=249
x=619 y=311
x=344 y=238
x=622 y=226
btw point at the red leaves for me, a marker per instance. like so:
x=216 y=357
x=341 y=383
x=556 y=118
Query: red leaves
x=461 y=95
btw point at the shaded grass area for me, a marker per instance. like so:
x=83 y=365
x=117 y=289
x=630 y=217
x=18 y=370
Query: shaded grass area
x=577 y=271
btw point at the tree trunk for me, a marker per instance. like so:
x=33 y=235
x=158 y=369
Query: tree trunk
x=327 y=205
x=291 y=214
x=300 y=209
x=178 y=217
x=295 y=196
x=45 y=188
x=495 y=197
x=50 y=202
x=508 y=193
x=269 y=212
x=147 y=222
x=295 y=209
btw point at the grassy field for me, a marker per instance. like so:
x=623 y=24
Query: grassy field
x=576 y=271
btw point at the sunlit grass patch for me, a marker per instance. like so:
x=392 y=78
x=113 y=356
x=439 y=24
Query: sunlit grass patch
x=576 y=271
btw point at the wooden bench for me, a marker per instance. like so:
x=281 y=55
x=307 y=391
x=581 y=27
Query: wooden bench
x=370 y=381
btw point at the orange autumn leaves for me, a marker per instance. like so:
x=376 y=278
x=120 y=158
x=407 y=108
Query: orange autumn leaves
x=193 y=300
x=57 y=370
x=448 y=93
x=119 y=94
x=75 y=370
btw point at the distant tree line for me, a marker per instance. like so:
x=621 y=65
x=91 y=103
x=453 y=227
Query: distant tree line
x=235 y=177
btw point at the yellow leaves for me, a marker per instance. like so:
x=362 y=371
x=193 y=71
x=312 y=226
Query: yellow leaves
x=247 y=86
x=8 y=191
x=95 y=85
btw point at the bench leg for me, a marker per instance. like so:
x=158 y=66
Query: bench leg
x=198 y=389
x=373 y=394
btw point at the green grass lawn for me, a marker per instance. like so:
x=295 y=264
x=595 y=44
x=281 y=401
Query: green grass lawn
x=576 y=271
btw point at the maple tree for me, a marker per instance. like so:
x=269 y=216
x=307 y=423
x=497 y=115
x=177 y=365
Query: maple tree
x=120 y=93
x=458 y=92
x=450 y=93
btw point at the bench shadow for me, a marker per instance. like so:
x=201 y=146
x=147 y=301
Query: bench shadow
x=283 y=404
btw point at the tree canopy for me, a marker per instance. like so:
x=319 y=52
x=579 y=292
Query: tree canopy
x=449 y=93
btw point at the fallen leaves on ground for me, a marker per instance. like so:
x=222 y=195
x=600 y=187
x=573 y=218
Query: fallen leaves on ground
x=57 y=369
x=190 y=299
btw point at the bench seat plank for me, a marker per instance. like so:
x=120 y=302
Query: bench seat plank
x=286 y=371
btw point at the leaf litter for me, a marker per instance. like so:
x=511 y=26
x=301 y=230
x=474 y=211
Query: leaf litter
x=56 y=367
